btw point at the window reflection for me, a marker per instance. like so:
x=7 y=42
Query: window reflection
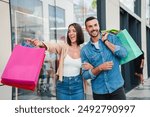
x=26 y=19
x=82 y=10
x=129 y=4
x=57 y=22
x=133 y=5
x=26 y=22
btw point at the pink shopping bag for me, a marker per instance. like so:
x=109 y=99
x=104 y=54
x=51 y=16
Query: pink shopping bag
x=23 y=67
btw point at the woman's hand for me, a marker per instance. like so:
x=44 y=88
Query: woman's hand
x=87 y=66
x=35 y=42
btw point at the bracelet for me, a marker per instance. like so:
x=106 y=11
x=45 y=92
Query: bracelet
x=105 y=40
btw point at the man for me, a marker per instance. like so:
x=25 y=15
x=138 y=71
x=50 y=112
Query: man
x=103 y=53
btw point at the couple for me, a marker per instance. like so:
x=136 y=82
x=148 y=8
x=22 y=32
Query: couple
x=99 y=59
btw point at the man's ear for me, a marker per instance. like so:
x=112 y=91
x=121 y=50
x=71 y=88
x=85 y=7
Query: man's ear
x=86 y=28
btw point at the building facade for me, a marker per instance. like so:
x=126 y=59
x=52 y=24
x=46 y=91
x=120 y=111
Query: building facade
x=48 y=20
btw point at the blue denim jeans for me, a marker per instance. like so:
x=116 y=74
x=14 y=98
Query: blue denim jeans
x=71 y=88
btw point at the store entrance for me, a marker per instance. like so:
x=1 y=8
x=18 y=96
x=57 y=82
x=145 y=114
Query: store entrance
x=134 y=28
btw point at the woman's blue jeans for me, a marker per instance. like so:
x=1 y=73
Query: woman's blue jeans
x=71 y=88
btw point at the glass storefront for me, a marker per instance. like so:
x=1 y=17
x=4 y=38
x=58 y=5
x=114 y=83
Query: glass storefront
x=46 y=20
x=26 y=19
x=82 y=10
x=56 y=21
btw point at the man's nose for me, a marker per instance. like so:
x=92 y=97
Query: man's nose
x=94 y=28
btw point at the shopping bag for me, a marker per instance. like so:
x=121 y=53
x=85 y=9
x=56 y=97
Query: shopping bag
x=132 y=48
x=23 y=67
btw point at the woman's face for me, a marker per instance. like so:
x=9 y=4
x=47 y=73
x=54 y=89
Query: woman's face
x=72 y=33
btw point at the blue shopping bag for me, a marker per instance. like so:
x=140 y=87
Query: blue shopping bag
x=132 y=48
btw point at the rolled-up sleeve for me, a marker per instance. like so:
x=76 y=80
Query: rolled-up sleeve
x=55 y=47
x=92 y=75
x=120 y=51
x=87 y=74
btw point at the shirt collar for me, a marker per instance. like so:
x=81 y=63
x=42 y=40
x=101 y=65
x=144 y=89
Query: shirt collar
x=98 y=40
x=97 y=43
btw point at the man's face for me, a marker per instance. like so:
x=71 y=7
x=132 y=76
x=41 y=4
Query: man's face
x=93 y=28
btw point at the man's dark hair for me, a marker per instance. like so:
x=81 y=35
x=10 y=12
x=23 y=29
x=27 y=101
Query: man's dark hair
x=80 y=35
x=89 y=18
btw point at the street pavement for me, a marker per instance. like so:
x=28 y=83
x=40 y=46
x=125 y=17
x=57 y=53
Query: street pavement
x=137 y=93
x=140 y=92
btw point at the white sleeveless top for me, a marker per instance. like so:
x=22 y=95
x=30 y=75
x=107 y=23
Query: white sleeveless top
x=71 y=66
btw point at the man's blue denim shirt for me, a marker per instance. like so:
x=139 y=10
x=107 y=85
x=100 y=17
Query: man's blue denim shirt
x=109 y=80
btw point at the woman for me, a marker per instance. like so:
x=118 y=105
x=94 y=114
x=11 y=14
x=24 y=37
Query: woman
x=69 y=85
x=139 y=65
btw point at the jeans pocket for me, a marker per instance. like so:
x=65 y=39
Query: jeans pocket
x=59 y=82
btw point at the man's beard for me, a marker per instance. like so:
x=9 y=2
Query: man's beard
x=94 y=35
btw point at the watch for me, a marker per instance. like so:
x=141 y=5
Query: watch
x=105 y=40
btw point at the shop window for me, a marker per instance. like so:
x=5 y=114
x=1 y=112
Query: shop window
x=133 y=5
x=27 y=21
x=57 y=23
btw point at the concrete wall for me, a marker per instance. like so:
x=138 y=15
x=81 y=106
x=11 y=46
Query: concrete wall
x=112 y=14
x=143 y=35
x=5 y=45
